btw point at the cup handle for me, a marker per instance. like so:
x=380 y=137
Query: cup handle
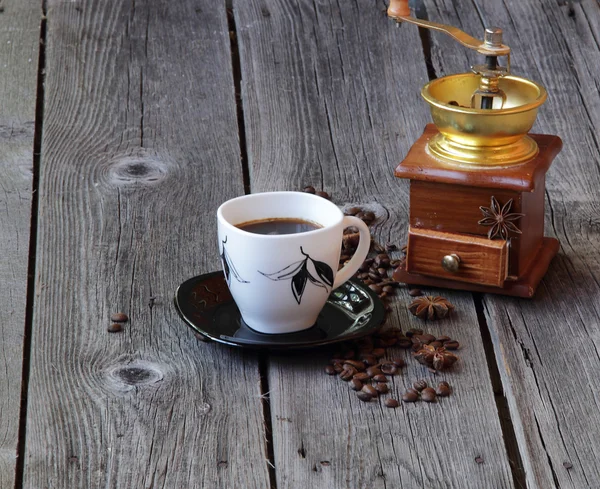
x=360 y=254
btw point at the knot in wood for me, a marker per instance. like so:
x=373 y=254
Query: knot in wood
x=136 y=171
x=136 y=374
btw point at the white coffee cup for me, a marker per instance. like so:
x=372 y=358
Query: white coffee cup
x=281 y=282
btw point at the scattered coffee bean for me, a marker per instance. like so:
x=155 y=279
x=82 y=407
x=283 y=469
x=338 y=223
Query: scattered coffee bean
x=435 y=344
x=413 y=331
x=388 y=288
x=389 y=369
x=442 y=390
x=380 y=378
x=358 y=365
x=355 y=384
x=375 y=288
x=119 y=317
x=399 y=362
x=567 y=465
x=419 y=385
x=347 y=373
x=370 y=359
x=390 y=247
x=451 y=345
x=374 y=276
x=410 y=395
x=378 y=352
x=373 y=371
x=323 y=194
x=363 y=396
x=443 y=339
x=362 y=376
x=352 y=211
x=428 y=394
x=114 y=328
x=444 y=383
x=369 y=389
x=382 y=388
x=415 y=292
x=404 y=343
x=479 y=460
x=338 y=367
x=309 y=189
x=329 y=370
x=391 y=403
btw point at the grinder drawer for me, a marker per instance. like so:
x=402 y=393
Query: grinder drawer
x=466 y=258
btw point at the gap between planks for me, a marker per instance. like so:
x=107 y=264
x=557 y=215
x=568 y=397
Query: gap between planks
x=37 y=148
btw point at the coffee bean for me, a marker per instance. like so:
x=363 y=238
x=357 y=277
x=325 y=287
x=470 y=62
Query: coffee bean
x=388 y=288
x=443 y=339
x=399 y=362
x=416 y=346
x=352 y=211
x=329 y=370
x=404 y=343
x=394 y=263
x=114 y=328
x=363 y=396
x=391 y=403
x=435 y=344
x=373 y=371
x=451 y=345
x=369 y=389
x=567 y=465
x=370 y=360
x=479 y=460
x=426 y=338
x=348 y=355
x=444 y=383
x=410 y=395
x=375 y=288
x=380 y=378
x=413 y=331
x=419 y=385
x=382 y=388
x=357 y=364
x=442 y=390
x=362 y=376
x=355 y=384
x=347 y=373
x=428 y=395
x=369 y=216
x=378 y=352
x=119 y=317
x=338 y=368
x=415 y=292
x=374 y=277
x=309 y=189
x=323 y=194
x=389 y=369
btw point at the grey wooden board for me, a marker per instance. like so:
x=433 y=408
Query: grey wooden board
x=140 y=146
x=547 y=348
x=19 y=44
x=331 y=99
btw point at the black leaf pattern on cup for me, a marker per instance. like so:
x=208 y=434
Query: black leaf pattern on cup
x=300 y=274
x=229 y=267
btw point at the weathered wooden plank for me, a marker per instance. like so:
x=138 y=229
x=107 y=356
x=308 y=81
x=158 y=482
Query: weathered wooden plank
x=140 y=146
x=19 y=46
x=331 y=99
x=546 y=348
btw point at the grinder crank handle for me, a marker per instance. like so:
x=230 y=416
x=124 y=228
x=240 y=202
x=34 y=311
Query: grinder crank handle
x=400 y=11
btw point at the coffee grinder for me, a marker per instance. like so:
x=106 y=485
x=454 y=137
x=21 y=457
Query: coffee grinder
x=477 y=179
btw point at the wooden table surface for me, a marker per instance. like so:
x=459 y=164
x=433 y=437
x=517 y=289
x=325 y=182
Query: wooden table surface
x=123 y=126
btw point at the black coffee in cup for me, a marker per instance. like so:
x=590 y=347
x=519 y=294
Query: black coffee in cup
x=278 y=225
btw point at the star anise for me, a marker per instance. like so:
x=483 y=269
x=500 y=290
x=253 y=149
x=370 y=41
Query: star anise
x=437 y=358
x=430 y=307
x=500 y=219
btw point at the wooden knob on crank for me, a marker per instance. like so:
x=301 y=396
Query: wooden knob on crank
x=451 y=263
x=398 y=8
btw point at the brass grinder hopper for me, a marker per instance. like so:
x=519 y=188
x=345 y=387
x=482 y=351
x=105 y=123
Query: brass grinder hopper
x=483 y=117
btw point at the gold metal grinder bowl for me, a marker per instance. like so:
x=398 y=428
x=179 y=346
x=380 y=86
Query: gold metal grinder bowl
x=483 y=137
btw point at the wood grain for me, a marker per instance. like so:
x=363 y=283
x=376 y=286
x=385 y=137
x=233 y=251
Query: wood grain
x=547 y=349
x=19 y=45
x=482 y=260
x=140 y=146
x=331 y=99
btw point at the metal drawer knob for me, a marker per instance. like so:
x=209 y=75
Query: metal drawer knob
x=451 y=263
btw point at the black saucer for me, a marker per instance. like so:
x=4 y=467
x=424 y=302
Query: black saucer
x=204 y=302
